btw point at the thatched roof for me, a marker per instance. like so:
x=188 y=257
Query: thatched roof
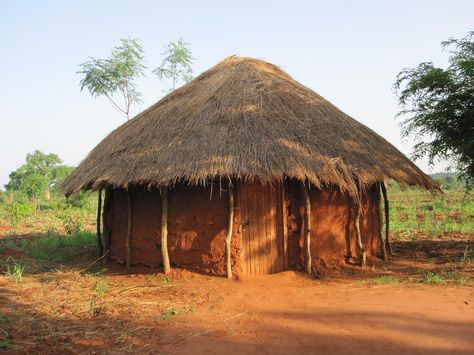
x=244 y=118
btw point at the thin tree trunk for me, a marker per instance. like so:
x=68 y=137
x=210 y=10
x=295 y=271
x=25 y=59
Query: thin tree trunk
x=307 y=226
x=383 y=246
x=360 y=246
x=106 y=228
x=164 y=230
x=128 y=237
x=99 y=212
x=228 y=238
x=387 y=218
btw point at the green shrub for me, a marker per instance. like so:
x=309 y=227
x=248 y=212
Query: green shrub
x=18 y=211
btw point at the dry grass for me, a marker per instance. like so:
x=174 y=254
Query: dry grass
x=244 y=119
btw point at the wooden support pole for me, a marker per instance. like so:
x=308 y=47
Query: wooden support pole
x=164 y=230
x=105 y=221
x=307 y=226
x=360 y=246
x=99 y=234
x=383 y=246
x=228 y=238
x=128 y=237
x=387 y=217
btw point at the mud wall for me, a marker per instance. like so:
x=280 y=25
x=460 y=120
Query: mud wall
x=332 y=227
x=197 y=225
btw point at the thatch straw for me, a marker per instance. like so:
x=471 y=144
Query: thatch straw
x=247 y=119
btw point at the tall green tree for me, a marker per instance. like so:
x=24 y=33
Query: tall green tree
x=177 y=63
x=40 y=174
x=116 y=76
x=438 y=107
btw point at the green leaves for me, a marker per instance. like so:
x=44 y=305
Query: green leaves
x=40 y=173
x=439 y=107
x=177 y=63
x=116 y=75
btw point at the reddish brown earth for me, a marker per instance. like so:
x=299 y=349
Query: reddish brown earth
x=59 y=310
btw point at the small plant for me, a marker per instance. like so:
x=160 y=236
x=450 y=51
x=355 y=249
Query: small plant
x=166 y=280
x=19 y=211
x=99 y=290
x=72 y=226
x=171 y=312
x=466 y=256
x=15 y=271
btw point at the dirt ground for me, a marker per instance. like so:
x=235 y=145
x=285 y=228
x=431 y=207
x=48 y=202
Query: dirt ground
x=70 y=309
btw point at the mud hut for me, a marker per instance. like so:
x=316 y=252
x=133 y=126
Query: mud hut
x=243 y=171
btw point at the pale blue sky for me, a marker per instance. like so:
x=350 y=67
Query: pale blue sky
x=347 y=51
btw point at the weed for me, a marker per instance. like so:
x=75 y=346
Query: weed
x=466 y=257
x=99 y=290
x=171 y=312
x=15 y=271
x=166 y=280
x=19 y=211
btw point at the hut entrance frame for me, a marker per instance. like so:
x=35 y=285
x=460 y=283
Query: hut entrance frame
x=263 y=228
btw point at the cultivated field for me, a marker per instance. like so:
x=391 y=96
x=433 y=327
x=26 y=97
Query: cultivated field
x=55 y=299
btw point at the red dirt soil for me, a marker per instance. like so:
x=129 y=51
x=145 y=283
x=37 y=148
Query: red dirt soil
x=285 y=313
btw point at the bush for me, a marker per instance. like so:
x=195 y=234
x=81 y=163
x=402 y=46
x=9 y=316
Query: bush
x=18 y=211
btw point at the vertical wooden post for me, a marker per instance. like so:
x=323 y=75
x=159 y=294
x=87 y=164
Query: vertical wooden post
x=360 y=246
x=164 y=230
x=284 y=214
x=387 y=217
x=105 y=221
x=228 y=238
x=128 y=237
x=307 y=226
x=383 y=246
x=99 y=211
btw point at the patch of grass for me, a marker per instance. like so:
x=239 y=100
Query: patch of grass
x=59 y=247
x=172 y=312
x=414 y=211
x=442 y=277
x=432 y=278
x=384 y=279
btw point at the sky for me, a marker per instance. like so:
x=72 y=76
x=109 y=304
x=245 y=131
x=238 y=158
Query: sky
x=347 y=51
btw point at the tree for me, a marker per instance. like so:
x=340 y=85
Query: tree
x=177 y=63
x=116 y=75
x=40 y=174
x=439 y=106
